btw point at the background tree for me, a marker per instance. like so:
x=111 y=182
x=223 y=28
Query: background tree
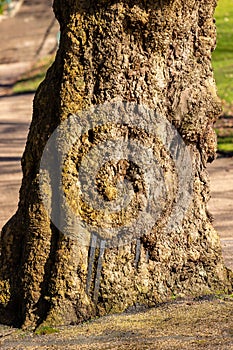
x=153 y=53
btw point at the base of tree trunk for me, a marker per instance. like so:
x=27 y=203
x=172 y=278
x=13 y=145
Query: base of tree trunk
x=155 y=54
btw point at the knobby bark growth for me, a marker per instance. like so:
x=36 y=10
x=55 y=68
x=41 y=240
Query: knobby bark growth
x=153 y=53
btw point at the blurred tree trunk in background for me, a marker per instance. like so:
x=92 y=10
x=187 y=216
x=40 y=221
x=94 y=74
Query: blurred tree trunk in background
x=153 y=53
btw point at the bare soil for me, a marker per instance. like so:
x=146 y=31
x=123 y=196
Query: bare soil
x=187 y=324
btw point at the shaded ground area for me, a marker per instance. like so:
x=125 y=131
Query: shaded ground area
x=15 y=116
x=221 y=204
x=179 y=325
x=182 y=325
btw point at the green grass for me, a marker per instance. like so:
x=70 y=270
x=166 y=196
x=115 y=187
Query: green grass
x=30 y=81
x=1 y=6
x=225 y=140
x=225 y=144
x=46 y=330
x=223 y=70
x=223 y=55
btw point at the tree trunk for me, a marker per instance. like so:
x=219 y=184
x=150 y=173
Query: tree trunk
x=144 y=56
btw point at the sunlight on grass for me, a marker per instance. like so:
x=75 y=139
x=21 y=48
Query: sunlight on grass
x=30 y=81
x=225 y=147
x=223 y=71
x=225 y=140
x=223 y=55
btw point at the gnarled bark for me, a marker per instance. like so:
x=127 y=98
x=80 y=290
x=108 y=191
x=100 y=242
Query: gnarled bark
x=153 y=53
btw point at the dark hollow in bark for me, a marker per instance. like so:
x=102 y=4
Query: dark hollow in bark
x=153 y=53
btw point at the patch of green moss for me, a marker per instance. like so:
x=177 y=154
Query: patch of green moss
x=46 y=330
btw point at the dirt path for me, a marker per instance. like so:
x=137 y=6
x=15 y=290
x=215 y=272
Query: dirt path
x=15 y=116
x=22 y=40
x=221 y=204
